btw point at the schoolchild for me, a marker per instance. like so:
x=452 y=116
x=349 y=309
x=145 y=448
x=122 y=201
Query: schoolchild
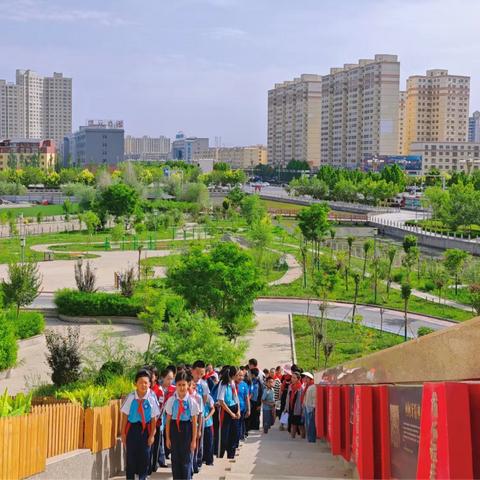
x=157 y=447
x=197 y=457
x=198 y=372
x=309 y=405
x=294 y=405
x=268 y=405
x=208 y=411
x=166 y=380
x=256 y=390
x=181 y=427
x=229 y=413
x=216 y=415
x=139 y=414
x=244 y=401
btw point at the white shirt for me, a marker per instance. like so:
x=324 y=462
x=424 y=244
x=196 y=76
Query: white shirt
x=310 y=399
x=192 y=404
x=222 y=388
x=150 y=396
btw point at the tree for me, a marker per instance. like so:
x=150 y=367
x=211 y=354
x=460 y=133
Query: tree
x=91 y=221
x=367 y=246
x=119 y=200
x=252 y=209
x=356 y=280
x=23 y=286
x=314 y=224
x=454 y=262
x=85 y=279
x=350 y=240
x=223 y=282
x=191 y=336
x=410 y=259
x=153 y=316
x=261 y=234
x=235 y=196
x=332 y=239
x=391 y=253
x=406 y=291
x=67 y=208
x=474 y=291
x=409 y=241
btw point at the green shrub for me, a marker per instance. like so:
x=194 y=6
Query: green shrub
x=398 y=277
x=424 y=331
x=19 y=405
x=107 y=371
x=88 y=397
x=429 y=286
x=119 y=386
x=27 y=324
x=8 y=343
x=73 y=302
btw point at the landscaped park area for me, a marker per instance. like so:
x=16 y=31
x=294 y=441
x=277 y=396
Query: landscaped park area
x=147 y=268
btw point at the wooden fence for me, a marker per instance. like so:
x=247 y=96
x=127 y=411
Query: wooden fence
x=64 y=427
x=23 y=445
x=51 y=429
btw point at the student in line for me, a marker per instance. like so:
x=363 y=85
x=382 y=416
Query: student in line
x=198 y=372
x=243 y=391
x=139 y=417
x=268 y=405
x=181 y=427
x=256 y=390
x=309 y=405
x=229 y=413
x=157 y=448
x=294 y=405
x=208 y=411
x=197 y=457
x=166 y=382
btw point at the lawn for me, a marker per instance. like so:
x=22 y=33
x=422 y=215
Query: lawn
x=273 y=204
x=46 y=210
x=349 y=342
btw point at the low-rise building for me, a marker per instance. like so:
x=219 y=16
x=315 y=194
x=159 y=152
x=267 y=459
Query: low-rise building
x=185 y=148
x=236 y=157
x=21 y=153
x=474 y=127
x=97 y=143
x=147 y=148
x=447 y=156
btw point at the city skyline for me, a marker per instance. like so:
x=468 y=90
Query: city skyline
x=204 y=66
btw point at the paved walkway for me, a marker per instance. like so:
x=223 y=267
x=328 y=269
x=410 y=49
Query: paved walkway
x=293 y=273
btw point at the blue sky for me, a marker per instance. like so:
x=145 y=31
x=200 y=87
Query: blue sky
x=204 y=66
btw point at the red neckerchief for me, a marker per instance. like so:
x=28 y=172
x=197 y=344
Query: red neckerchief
x=208 y=375
x=169 y=392
x=141 y=411
x=181 y=409
x=308 y=384
x=294 y=389
x=158 y=391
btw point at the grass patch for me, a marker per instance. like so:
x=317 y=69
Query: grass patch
x=45 y=210
x=349 y=343
x=273 y=204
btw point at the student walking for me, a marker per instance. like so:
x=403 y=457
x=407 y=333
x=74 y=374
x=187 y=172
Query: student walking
x=229 y=413
x=268 y=405
x=181 y=427
x=208 y=411
x=139 y=417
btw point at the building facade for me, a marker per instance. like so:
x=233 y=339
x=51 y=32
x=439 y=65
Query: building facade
x=294 y=121
x=184 y=148
x=401 y=119
x=474 y=127
x=36 y=106
x=23 y=153
x=236 y=157
x=436 y=108
x=447 y=156
x=147 y=148
x=360 y=116
x=98 y=143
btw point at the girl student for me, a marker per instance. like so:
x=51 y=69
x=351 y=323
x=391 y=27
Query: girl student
x=208 y=412
x=294 y=405
x=181 y=427
x=139 y=417
x=229 y=413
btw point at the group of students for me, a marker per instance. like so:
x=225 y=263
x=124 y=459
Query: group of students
x=190 y=414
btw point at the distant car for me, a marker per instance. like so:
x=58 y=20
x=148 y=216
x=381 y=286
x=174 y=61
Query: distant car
x=45 y=202
x=265 y=184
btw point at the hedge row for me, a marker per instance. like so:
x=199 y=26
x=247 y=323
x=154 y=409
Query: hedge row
x=75 y=303
x=27 y=324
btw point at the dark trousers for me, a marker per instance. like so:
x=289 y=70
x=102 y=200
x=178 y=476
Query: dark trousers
x=138 y=452
x=198 y=455
x=241 y=429
x=181 y=439
x=216 y=430
x=208 y=445
x=155 y=449
x=254 y=419
x=228 y=434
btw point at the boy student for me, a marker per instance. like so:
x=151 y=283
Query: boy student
x=166 y=384
x=256 y=390
x=197 y=457
x=181 y=427
x=157 y=449
x=198 y=372
x=139 y=417
x=268 y=405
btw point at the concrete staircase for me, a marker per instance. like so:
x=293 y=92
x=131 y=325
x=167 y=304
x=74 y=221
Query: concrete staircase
x=274 y=456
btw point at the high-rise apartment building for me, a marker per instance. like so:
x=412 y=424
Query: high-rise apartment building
x=294 y=120
x=474 y=127
x=401 y=120
x=436 y=108
x=36 y=107
x=147 y=148
x=359 y=114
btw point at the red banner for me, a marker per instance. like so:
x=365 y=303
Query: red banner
x=321 y=411
x=334 y=419
x=474 y=396
x=445 y=436
x=381 y=431
x=346 y=397
x=362 y=441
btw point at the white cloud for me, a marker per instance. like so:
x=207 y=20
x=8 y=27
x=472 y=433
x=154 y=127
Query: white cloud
x=220 y=33
x=38 y=11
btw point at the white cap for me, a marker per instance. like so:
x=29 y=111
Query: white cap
x=307 y=374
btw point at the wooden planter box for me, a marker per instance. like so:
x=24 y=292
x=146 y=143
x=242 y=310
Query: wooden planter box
x=101 y=427
x=23 y=445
